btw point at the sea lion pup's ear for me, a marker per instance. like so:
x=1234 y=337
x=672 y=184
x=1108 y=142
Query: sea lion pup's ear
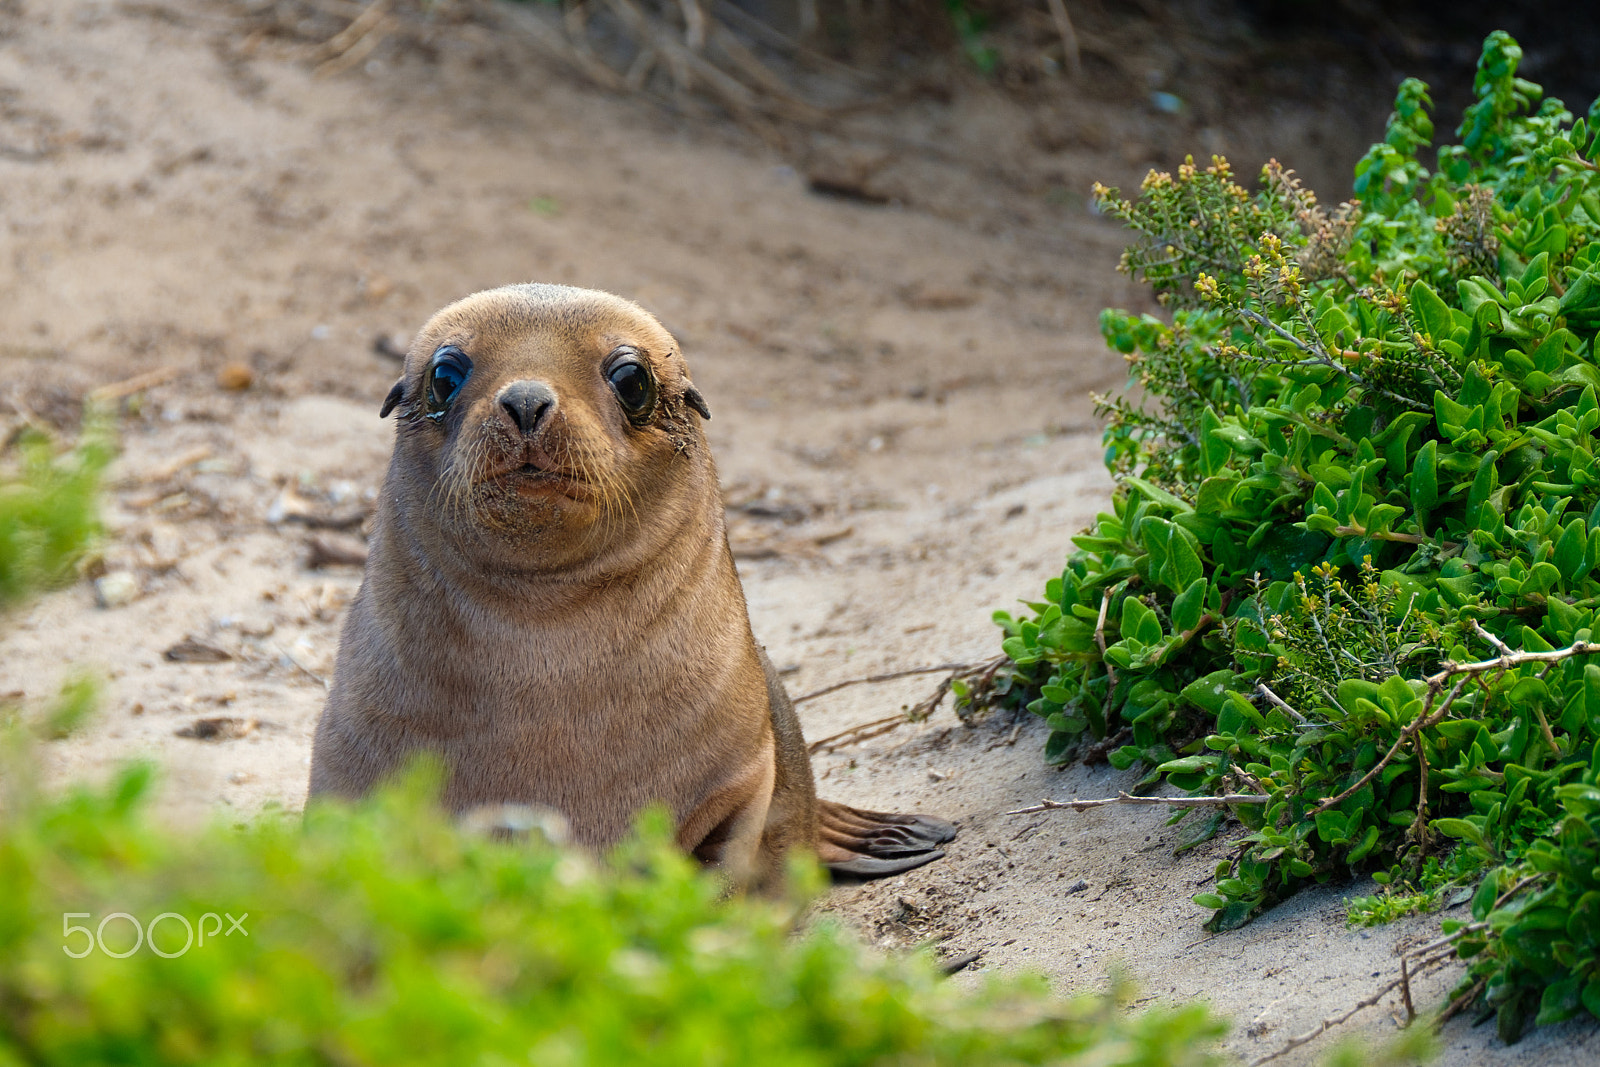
x=692 y=397
x=395 y=396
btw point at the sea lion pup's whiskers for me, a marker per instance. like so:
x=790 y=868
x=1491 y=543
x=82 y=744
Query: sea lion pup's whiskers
x=467 y=490
x=609 y=485
x=550 y=605
x=616 y=492
x=453 y=492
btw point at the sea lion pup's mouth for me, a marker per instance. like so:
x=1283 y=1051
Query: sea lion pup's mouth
x=532 y=478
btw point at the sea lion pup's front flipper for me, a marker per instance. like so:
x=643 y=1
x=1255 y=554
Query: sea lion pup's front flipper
x=850 y=841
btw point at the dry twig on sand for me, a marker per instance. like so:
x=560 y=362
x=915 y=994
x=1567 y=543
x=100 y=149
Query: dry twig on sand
x=676 y=48
x=873 y=679
x=917 y=713
x=1427 y=957
x=1069 y=36
x=356 y=41
x=1128 y=798
x=106 y=394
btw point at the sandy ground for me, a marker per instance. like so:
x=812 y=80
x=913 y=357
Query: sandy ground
x=901 y=420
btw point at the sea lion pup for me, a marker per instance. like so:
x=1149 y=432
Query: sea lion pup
x=550 y=605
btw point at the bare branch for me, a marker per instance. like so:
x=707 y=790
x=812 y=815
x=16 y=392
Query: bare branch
x=1388 y=535
x=1277 y=702
x=1325 y=1025
x=1419 y=825
x=1405 y=992
x=1472 y=928
x=1436 y=682
x=1069 y=36
x=952 y=668
x=1402 y=983
x=860 y=732
x=1100 y=638
x=1426 y=959
x=1127 y=798
x=137 y=384
x=877 y=727
x=1499 y=645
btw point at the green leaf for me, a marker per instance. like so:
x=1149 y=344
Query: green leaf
x=1125 y=757
x=1017 y=649
x=1425 y=477
x=1433 y=314
x=1189 y=606
x=1331 y=827
x=1231 y=917
x=1239 y=439
x=1483 y=483
x=1213 y=450
x=1208 y=693
x=1156 y=495
x=1553 y=242
x=1449 y=415
x=1216 y=494
x=1581 y=303
x=1133 y=613
x=1542 y=577
x=1560 y=1001
x=1591 y=693
x=1185 y=559
x=1139 y=622
x=1368 y=842
x=1591 y=996
x=1351 y=690
x=1459 y=828
x=1538 y=269
x=1395 y=693
x=1188 y=764
x=1058 y=746
x=1570 y=550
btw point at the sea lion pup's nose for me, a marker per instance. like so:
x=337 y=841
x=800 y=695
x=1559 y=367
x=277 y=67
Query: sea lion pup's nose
x=527 y=402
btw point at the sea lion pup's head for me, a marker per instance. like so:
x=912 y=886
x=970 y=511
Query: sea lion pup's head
x=538 y=423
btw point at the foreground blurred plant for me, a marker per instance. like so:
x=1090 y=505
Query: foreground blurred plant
x=385 y=934
x=48 y=518
x=1351 y=566
x=48 y=511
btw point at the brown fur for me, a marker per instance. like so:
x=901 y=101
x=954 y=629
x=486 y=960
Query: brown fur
x=556 y=613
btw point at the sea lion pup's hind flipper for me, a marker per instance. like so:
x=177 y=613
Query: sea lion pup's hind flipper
x=862 y=844
x=874 y=844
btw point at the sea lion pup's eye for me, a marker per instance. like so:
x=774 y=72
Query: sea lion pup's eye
x=447 y=372
x=633 y=383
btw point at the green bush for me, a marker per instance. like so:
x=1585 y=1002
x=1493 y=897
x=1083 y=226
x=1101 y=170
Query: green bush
x=1362 y=468
x=384 y=934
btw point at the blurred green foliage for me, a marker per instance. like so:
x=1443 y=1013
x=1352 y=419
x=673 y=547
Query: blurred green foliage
x=49 y=517
x=969 y=25
x=48 y=510
x=384 y=934
x=1363 y=456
